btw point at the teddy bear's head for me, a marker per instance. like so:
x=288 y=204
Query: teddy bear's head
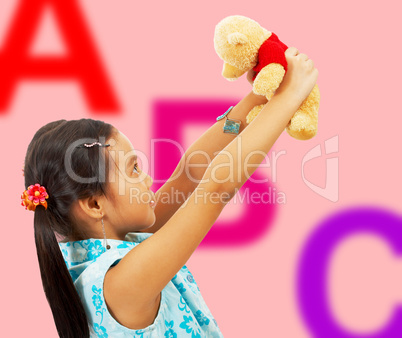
x=237 y=40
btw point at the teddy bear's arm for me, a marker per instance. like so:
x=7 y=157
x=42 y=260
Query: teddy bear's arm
x=268 y=80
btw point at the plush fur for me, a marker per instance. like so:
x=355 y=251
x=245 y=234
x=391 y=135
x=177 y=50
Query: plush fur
x=243 y=45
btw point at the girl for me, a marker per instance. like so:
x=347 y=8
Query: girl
x=84 y=181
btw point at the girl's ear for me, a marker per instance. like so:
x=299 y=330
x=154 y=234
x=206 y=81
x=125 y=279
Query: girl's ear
x=91 y=206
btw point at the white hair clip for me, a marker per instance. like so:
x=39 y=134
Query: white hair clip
x=89 y=145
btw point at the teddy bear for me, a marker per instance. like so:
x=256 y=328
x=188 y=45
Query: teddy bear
x=243 y=45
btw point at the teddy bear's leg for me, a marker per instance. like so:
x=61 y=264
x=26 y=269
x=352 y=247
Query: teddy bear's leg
x=253 y=113
x=268 y=80
x=303 y=125
x=265 y=83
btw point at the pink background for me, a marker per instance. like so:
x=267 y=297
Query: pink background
x=164 y=50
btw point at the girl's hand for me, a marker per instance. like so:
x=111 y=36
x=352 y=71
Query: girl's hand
x=300 y=77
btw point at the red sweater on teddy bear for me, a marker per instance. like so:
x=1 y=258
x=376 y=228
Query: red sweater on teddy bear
x=271 y=51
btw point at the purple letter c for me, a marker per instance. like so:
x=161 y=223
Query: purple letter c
x=312 y=273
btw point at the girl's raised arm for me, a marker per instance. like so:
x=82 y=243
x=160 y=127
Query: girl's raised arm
x=136 y=282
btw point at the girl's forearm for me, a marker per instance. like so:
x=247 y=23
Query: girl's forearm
x=230 y=168
x=201 y=153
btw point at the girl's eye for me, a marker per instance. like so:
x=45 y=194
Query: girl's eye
x=136 y=167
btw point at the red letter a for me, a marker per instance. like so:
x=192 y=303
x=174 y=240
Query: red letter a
x=81 y=63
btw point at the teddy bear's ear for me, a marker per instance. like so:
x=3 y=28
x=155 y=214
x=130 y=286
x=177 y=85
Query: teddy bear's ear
x=237 y=39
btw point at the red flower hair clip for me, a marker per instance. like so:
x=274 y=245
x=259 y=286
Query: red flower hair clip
x=33 y=196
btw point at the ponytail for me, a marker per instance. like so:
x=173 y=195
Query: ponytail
x=45 y=164
x=68 y=312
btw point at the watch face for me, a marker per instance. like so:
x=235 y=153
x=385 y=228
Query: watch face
x=231 y=126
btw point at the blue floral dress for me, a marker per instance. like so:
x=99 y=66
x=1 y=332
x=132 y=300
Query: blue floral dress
x=182 y=312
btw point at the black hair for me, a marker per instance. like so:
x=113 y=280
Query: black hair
x=46 y=163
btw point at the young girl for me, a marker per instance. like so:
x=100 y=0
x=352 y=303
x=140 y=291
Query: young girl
x=84 y=182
